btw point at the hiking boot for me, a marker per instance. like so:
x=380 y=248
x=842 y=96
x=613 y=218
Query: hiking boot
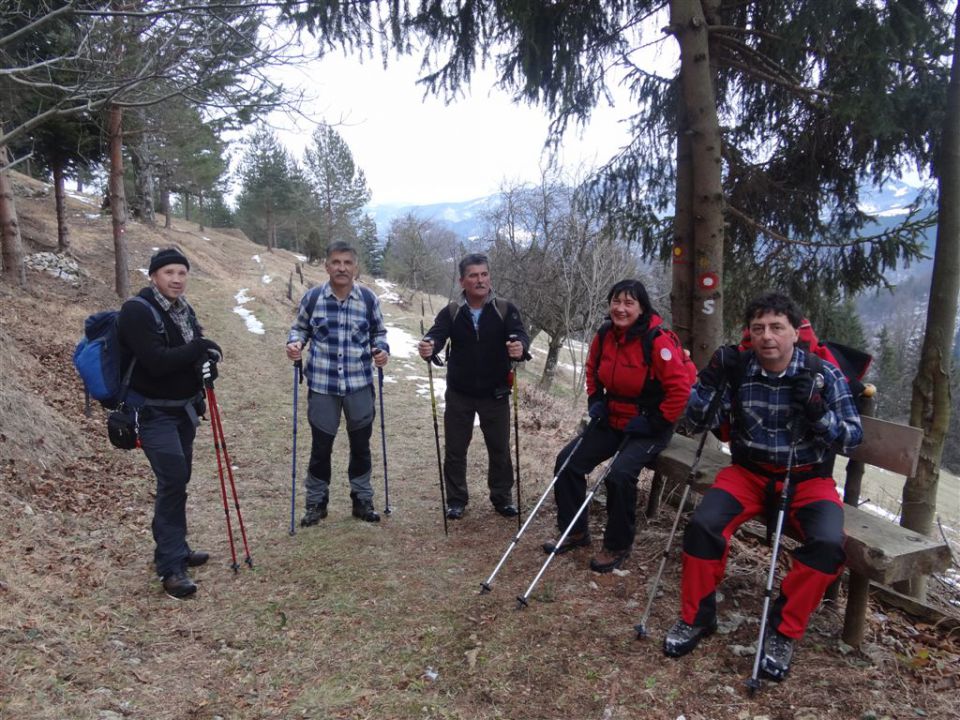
x=682 y=638
x=363 y=509
x=196 y=558
x=777 y=653
x=573 y=541
x=507 y=510
x=179 y=585
x=455 y=512
x=315 y=513
x=607 y=560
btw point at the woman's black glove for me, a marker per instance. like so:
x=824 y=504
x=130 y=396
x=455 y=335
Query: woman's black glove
x=211 y=349
x=597 y=406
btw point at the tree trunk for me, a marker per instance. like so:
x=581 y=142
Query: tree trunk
x=143 y=172
x=63 y=232
x=200 y=210
x=12 y=247
x=118 y=200
x=930 y=406
x=165 y=201
x=681 y=293
x=270 y=229
x=550 y=364
x=186 y=206
x=690 y=27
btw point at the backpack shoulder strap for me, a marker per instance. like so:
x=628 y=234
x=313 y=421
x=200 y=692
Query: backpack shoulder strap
x=161 y=328
x=452 y=308
x=313 y=294
x=502 y=307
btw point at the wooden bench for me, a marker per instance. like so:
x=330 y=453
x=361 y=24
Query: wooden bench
x=877 y=549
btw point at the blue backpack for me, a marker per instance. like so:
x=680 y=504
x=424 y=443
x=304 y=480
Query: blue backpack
x=99 y=357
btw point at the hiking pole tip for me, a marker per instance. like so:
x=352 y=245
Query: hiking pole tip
x=484 y=588
x=249 y=561
x=641 y=631
x=753 y=684
x=521 y=602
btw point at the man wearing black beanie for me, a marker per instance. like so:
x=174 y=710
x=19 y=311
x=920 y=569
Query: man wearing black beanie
x=159 y=328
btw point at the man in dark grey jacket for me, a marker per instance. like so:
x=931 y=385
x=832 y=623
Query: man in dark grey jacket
x=485 y=335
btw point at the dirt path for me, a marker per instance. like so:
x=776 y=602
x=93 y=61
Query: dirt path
x=355 y=620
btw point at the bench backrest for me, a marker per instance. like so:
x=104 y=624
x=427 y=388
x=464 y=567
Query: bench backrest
x=889 y=445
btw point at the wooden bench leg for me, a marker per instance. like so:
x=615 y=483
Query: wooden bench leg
x=656 y=490
x=855 y=619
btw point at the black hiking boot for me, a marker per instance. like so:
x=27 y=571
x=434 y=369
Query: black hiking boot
x=196 y=558
x=315 y=513
x=682 y=638
x=455 y=511
x=573 y=541
x=508 y=511
x=777 y=654
x=363 y=509
x=179 y=585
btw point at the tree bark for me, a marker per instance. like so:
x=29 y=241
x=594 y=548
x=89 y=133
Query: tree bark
x=681 y=293
x=63 y=231
x=690 y=27
x=12 y=246
x=118 y=201
x=200 y=210
x=550 y=365
x=930 y=405
x=143 y=172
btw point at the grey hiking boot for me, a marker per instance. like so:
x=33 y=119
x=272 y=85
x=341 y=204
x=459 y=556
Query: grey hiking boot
x=682 y=638
x=777 y=654
x=315 y=513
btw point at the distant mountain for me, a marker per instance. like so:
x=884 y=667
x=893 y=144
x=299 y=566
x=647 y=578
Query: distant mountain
x=464 y=218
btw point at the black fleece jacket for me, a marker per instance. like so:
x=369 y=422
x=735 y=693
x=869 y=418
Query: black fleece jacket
x=478 y=363
x=166 y=365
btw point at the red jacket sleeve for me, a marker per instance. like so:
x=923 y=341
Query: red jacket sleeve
x=675 y=374
x=593 y=361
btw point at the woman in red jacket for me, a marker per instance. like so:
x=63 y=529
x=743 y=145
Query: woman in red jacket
x=638 y=381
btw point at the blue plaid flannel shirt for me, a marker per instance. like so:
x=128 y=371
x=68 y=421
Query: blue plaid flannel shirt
x=341 y=337
x=766 y=413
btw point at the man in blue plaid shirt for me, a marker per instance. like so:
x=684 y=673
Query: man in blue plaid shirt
x=343 y=324
x=775 y=396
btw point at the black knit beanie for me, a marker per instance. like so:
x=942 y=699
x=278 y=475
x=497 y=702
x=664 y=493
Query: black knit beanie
x=167 y=256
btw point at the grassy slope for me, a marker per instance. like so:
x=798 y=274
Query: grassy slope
x=348 y=619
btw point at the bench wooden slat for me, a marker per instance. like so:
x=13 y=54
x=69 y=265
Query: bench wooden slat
x=887 y=553
x=888 y=445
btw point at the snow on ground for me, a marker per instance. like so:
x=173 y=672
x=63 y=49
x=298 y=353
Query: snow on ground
x=255 y=258
x=402 y=344
x=253 y=325
x=92 y=216
x=204 y=237
x=266 y=279
x=83 y=198
x=144 y=271
x=301 y=258
x=154 y=249
x=387 y=295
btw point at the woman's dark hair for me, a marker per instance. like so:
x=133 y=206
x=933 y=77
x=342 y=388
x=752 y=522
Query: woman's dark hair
x=634 y=289
x=777 y=304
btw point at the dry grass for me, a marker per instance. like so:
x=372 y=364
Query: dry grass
x=346 y=620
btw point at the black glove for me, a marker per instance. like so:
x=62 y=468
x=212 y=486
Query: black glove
x=722 y=365
x=639 y=426
x=597 y=406
x=207 y=370
x=807 y=396
x=211 y=349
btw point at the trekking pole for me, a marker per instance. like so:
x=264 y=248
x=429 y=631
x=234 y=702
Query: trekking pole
x=208 y=387
x=516 y=443
x=485 y=585
x=383 y=440
x=297 y=378
x=436 y=434
x=641 y=627
x=218 y=428
x=522 y=599
x=753 y=683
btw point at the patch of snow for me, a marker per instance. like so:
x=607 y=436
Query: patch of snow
x=253 y=325
x=241 y=297
x=155 y=249
x=402 y=344
x=301 y=258
x=144 y=271
x=385 y=284
x=83 y=198
x=255 y=258
x=204 y=237
x=92 y=216
x=266 y=279
x=390 y=297
x=389 y=379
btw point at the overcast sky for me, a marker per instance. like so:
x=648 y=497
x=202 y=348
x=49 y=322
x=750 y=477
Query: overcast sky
x=416 y=150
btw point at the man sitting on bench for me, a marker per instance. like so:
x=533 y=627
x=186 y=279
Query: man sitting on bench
x=780 y=404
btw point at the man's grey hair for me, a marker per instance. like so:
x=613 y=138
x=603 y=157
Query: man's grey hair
x=340 y=246
x=473 y=259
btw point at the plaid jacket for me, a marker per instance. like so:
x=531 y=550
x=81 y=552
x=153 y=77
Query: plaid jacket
x=341 y=336
x=765 y=415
